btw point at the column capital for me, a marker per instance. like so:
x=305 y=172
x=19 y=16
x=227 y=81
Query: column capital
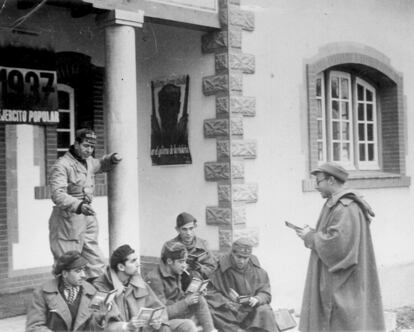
x=121 y=17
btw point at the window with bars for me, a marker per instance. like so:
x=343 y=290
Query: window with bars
x=347 y=122
x=66 y=127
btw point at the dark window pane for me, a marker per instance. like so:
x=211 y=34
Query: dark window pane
x=345 y=110
x=320 y=151
x=60 y=153
x=64 y=120
x=63 y=140
x=370 y=132
x=335 y=130
x=319 y=105
x=335 y=110
x=320 y=131
x=361 y=132
x=63 y=100
x=344 y=88
x=346 y=152
x=369 y=95
x=360 y=92
x=361 y=115
x=335 y=87
x=345 y=131
x=318 y=87
x=336 y=152
x=369 y=112
x=370 y=152
x=362 y=152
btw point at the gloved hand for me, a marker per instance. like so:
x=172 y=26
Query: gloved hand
x=115 y=158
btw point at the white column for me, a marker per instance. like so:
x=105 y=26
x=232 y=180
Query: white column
x=120 y=108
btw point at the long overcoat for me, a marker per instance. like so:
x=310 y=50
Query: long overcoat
x=253 y=281
x=70 y=184
x=48 y=310
x=342 y=291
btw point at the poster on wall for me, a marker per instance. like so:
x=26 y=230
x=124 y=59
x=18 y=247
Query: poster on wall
x=169 y=120
x=28 y=96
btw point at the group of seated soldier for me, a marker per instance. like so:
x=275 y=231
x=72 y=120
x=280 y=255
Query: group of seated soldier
x=237 y=297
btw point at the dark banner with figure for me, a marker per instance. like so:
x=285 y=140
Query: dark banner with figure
x=169 y=119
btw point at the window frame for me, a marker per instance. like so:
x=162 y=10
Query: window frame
x=71 y=92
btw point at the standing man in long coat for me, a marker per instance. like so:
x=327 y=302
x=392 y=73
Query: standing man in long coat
x=73 y=225
x=240 y=271
x=342 y=291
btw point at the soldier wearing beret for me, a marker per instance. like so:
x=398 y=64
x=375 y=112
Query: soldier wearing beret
x=342 y=290
x=239 y=274
x=62 y=303
x=201 y=263
x=72 y=224
x=182 y=307
x=132 y=294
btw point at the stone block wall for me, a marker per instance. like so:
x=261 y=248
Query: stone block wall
x=232 y=109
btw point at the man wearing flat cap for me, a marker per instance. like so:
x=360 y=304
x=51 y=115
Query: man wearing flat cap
x=201 y=263
x=240 y=295
x=342 y=290
x=182 y=307
x=72 y=224
x=62 y=303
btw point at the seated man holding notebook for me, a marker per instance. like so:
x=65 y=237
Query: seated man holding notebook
x=182 y=307
x=200 y=261
x=134 y=299
x=240 y=292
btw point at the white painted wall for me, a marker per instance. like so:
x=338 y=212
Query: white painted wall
x=287 y=33
x=166 y=191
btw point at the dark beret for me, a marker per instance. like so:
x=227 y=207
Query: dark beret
x=185 y=218
x=333 y=169
x=120 y=255
x=68 y=261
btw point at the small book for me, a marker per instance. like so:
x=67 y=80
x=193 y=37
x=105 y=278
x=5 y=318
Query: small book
x=235 y=297
x=102 y=298
x=197 y=285
x=284 y=319
x=149 y=314
x=293 y=226
x=197 y=255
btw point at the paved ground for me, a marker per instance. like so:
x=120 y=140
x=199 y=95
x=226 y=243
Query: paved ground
x=14 y=324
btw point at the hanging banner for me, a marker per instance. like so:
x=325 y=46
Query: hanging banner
x=169 y=119
x=28 y=96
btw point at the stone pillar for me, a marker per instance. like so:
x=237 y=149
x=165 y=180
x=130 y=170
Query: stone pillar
x=120 y=109
x=232 y=107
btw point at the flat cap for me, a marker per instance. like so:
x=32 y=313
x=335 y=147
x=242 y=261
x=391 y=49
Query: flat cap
x=68 y=261
x=333 y=169
x=185 y=218
x=243 y=246
x=85 y=134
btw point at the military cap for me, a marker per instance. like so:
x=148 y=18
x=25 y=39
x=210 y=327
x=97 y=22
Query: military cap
x=333 y=169
x=85 y=134
x=242 y=246
x=173 y=250
x=185 y=218
x=68 y=261
x=120 y=255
